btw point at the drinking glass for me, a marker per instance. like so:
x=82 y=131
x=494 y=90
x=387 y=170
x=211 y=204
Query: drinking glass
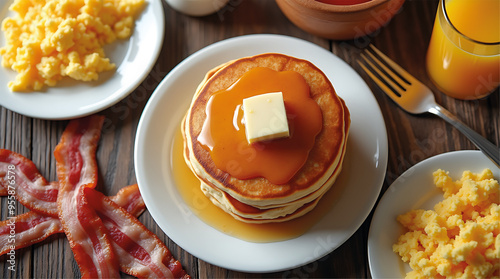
x=463 y=58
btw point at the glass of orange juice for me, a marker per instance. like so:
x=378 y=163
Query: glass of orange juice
x=463 y=58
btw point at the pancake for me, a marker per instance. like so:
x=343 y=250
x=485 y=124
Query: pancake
x=275 y=213
x=252 y=214
x=257 y=199
x=266 y=214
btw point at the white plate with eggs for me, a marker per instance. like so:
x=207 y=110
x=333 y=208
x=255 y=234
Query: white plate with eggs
x=414 y=189
x=134 y=59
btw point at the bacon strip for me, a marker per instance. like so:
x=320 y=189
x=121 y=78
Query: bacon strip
x=141 y=253
x=28 y=228
x=97 y=227
x=24 y=168
x=77 y=170
x=130 y=199
x=31 y=188
x=32 y=227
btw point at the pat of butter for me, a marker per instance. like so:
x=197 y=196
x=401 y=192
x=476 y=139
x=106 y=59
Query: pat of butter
x=265 y=117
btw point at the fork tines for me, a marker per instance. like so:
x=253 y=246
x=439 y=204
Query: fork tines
x=388 y=75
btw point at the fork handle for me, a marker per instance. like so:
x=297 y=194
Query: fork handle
x=488 y=148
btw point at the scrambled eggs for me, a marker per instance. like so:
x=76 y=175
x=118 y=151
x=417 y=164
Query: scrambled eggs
x=50 y=39
x=460 y=237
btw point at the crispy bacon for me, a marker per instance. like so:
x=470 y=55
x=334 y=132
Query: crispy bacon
x=32 y=227
x=140 y=252
x=97 y=227
x=76 y=170
x=130 y=199
x=24 y=168
x=31 y=188
x=28 y=228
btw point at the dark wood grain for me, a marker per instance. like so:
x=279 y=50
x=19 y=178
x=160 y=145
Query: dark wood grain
x=411 y=138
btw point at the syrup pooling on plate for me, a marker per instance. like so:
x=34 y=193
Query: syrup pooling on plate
x=189 y=188
x=223 y=132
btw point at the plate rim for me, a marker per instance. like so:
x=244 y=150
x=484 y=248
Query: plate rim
x=110 y=99
x=383 y=144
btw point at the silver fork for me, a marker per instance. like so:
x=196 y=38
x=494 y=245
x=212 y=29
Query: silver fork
x=416 y=98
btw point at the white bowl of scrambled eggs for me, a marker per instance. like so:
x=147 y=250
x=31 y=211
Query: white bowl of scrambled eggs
x=56 y=53
x=449 y=207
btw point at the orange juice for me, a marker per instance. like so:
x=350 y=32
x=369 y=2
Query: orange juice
x=463 y=58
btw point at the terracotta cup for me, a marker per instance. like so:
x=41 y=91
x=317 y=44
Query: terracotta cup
x=339 y=22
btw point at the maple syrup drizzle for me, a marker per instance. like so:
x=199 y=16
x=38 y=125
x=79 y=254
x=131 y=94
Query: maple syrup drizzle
x=223 y=133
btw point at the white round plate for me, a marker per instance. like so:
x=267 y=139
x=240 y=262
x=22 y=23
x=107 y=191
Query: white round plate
x=366 y=155
x=414 y=189
x=134 y=59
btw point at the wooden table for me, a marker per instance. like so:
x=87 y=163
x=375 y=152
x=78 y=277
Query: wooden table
x=411 y=138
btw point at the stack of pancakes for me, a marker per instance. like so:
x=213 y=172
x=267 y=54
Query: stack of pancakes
x=257 y=200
